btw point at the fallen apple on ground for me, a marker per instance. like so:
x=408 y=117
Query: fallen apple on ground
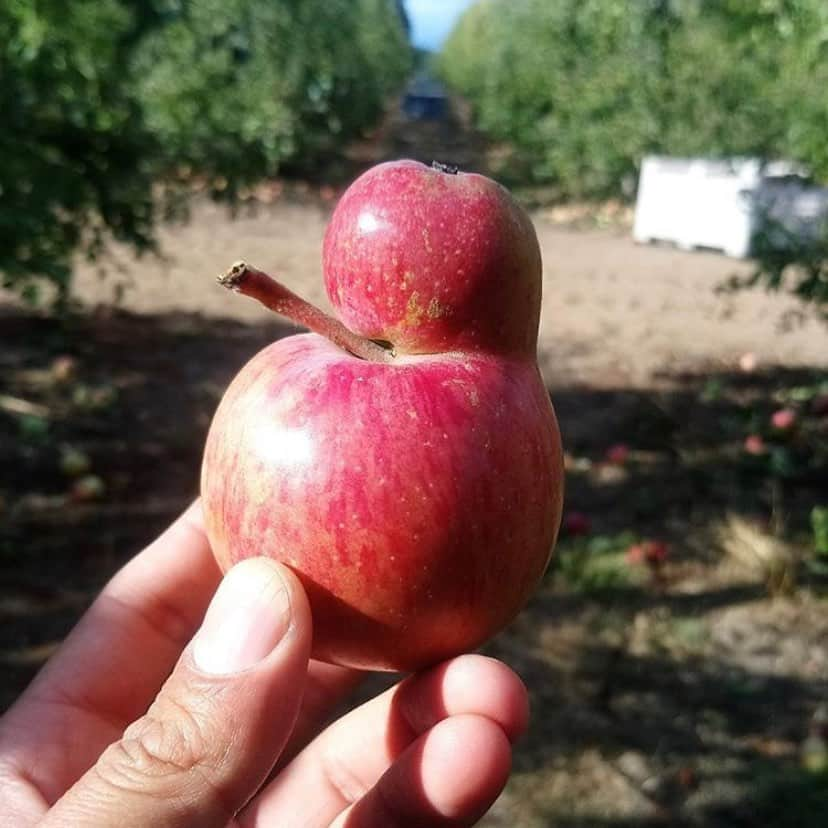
x=406 y=461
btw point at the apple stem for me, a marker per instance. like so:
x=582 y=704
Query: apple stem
x=247 y=280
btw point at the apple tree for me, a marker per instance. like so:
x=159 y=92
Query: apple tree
x=77 y=154
x=114 y=108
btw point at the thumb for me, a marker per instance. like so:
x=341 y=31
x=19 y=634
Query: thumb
x=211 y=737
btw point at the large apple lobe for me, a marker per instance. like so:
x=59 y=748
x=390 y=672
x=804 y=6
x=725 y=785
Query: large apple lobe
x=433 y=261
x=418 y=503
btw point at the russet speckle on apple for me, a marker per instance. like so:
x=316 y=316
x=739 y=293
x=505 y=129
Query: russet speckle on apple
x=403 y=459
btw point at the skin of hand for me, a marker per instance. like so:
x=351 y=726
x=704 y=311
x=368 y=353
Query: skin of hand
x=186 y=699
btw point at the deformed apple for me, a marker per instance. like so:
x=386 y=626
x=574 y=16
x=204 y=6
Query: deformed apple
x=406 y=461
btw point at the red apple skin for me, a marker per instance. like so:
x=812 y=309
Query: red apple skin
x=434 y=262
x=418 y=502
x=418 y=499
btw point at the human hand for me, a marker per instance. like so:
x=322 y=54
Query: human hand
x=152 y=713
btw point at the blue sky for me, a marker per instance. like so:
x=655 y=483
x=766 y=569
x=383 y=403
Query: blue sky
x=432 y=20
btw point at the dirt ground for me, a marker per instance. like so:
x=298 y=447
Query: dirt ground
x=687 y=694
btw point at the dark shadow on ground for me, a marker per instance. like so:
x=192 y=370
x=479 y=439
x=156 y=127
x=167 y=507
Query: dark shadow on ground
x=137 y=403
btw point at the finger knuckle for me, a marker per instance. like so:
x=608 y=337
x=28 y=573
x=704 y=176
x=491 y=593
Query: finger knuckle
x=341 y=777
x=167 y=742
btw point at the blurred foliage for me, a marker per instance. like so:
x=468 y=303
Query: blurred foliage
x=565 y=83
x=819 y=524
x=77 y=157
x=115 y=107
x=596 y=563
x=582 y=89
x=793 y=261
x=236 y=89
x=789 y=797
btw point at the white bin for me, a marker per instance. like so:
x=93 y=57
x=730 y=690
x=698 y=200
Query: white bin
x=697 y=203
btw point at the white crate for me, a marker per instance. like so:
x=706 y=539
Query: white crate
x=697 y=203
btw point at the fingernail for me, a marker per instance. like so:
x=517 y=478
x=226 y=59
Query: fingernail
x=248 y=616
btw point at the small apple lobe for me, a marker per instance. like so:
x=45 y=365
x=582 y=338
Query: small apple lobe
x=434 y=261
